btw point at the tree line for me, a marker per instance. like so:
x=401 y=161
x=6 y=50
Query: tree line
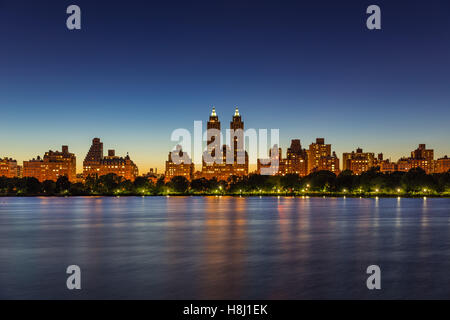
x=414 y=182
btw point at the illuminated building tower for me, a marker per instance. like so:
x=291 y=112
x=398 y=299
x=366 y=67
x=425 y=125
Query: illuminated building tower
x=266 y=163
x=213 y=123
x=9 y=168
x=443 y=165
x=237 y=125
x=296 y=161
x=95 y=153
x=359 y=161
x=91 y=163
x=240 y=156
x=54 y=165
x=122 y=167
x=182 y=166
x=227 y=162
x=212 y=147
x=420 y=158
x=386 y=166
x=95 y=164
x=423 y=153
x=329 y=163
x=424 y=158
x=316 y=152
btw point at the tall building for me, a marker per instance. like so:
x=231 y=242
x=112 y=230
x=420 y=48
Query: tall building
x=182 y=166
x=329 y=163
x=420 y=158
x=95 y=164
x=443 y=165
x=53 y=165
x=222 y=161
x=423 y=153
x=296 y=161
x=267 y=164
x=320 y=157
x=359 y=161
x=9 y=168
x=386 y=166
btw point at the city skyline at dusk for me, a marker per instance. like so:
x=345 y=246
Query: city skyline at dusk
x=225 y=159
x=131 y=82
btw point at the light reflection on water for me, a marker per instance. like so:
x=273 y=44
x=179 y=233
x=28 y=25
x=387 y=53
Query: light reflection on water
x=224 y=247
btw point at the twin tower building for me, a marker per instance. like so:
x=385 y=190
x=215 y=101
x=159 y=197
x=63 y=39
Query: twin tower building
x=219 y=160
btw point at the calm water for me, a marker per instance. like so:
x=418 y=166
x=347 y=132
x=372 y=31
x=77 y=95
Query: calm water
x=224 y=248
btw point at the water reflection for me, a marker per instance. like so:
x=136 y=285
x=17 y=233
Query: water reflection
x=224 y=247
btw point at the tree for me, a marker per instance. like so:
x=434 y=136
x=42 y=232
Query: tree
x=416 y=180
x=179 y=184
x=32 y=186
x=49 y=187
x=322 y=181
x=345 y=181
x=62 y=184
x=291 y=182
x=200 y=185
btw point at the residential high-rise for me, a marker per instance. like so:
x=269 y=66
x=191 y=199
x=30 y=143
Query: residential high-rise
x=95 y=164
x=53 y=165
x=420 y=158
x=316 y=152
x=269 y=166
x=222 y=161
x=359 y=161
x=329 y=163
x=296 y=161
x=8 y=168
x=443 y=165
x=237 y=129
x=182 y=166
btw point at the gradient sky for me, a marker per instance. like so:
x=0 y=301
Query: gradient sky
x=140 y=69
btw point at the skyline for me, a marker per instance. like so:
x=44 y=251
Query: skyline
x=134 y=74
x=198 y=167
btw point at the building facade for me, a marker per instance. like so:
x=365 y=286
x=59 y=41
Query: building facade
x=296 y=161
x=9 y=168
x=420 y=158
x=320 y=157
x=53 y=165
x=181 y=166
x=222 y=161
x=95 y=164
x=358 y=162
x=443 y=165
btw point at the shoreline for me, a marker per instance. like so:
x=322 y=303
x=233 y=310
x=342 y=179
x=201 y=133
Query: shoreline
x=267 y=195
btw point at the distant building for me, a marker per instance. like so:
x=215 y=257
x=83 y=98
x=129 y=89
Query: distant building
x=329 y=163
x=267 y=164
x=358 y=162
x=443 y=165
x=315 y=152
x=296 y=161
x=9 y=168
x=55 y=164
x=320 y=157
x=222 y=161
x=182 y=166
x=19 y=171
x=386 y=166
x=420 y=158
x=95 y=164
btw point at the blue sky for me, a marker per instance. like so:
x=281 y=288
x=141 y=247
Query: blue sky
x=140 y=69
